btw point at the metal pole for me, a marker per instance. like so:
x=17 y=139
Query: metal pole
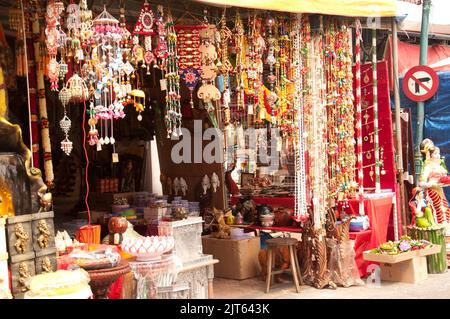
x=398 y=129
x=421 y=105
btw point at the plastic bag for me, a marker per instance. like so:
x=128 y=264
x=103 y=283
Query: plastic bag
x=342 y=265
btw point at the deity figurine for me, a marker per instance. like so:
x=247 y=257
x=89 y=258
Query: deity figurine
x=22 y=238
x=176 y=186
x=421 y=210
x=46 y=265
x=432 y=178
x=44 y=234
x=215 y=182
x=183 y=186
x=206 y=184
x=24 y=274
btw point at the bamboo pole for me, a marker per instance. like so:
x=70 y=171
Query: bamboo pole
x=398 y=131
x=45 y=131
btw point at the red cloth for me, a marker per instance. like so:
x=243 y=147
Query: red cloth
x=379 y=212
x=115 y=289
x=274 y=202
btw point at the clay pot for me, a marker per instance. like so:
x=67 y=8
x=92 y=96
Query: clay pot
x=117 y=225
x=283 y=218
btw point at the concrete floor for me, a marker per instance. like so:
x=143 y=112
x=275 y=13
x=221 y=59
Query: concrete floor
x=436 y=286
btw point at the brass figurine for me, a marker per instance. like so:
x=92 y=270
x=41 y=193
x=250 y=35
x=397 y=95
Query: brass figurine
x=44 y=234
x=24 y=274
x=22 y=238
x=47 y=265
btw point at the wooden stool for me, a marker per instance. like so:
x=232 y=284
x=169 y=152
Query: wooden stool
x=274 y=243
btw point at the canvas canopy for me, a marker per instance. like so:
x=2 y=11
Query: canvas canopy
x=350 y=8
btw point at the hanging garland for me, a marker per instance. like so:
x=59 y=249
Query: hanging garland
x=301 y=214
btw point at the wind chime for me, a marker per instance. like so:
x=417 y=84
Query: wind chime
x=108 y=61
x=65 y=123
x=173 y=106
x=144 y=28
x=208 y=92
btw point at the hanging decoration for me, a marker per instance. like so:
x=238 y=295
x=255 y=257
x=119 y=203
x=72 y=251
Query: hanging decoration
x=358 y=125
x=316 y=125
x=65 y=124
x=52 y=40
x=190 y=76
x=173 y=106
x=300 y=214
x=376 y=150
x=144 y=27
x=225 y=68
x=239 y=44
x=208 y=92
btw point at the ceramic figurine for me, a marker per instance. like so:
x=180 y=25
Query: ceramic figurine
x=22 y=238
x=215 y=182
x=433 y=177
x=183 y=186
x=422 y=215
x=176 y=186
x=47 y=265
x=206 y=184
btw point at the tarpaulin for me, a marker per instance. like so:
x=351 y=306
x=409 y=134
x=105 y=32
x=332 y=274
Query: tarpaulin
x=408 y=56
x=350 y=8
x=437 y=117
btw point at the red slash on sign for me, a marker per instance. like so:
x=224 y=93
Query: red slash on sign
x=420 y=83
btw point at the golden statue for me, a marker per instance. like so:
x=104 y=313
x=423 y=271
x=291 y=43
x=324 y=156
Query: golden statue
x=44 y=234
x=22 y=238
x=47 y=265
x=6 y=204
x=24 y=274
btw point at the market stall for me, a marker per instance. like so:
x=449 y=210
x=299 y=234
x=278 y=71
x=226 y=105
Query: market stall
x=250 y=121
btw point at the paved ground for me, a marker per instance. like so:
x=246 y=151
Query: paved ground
x=436 y=286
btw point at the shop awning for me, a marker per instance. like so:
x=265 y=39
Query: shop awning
x=352 y=8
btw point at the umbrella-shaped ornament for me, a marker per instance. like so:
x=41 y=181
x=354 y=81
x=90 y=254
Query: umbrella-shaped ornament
x=190 y=77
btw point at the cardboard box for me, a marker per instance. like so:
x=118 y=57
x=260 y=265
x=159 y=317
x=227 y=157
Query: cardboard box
x=410 y=271
x=410 y=267
x=238 y=258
